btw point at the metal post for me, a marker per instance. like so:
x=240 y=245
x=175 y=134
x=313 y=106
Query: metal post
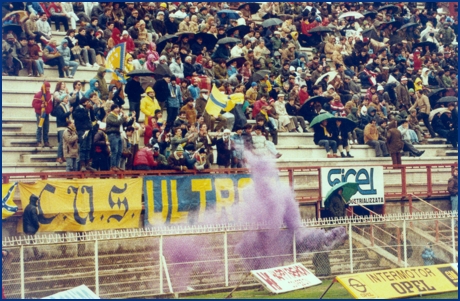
x=404 y=243
x=167 y=274
x=294 y=248
x=161 y=264
x=454 y=252
x=96 y=265
x=398 y=240
x=226 y=258
x=21 y=258
x=350 y=243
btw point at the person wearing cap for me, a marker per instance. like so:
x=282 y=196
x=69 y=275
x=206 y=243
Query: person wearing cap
x=402 y=93
x=149 y=104
x=176 y=160
x=276 y=41
x=101 y=153
x=83 y=116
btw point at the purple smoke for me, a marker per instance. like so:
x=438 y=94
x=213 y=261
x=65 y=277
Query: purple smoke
x=267 y=201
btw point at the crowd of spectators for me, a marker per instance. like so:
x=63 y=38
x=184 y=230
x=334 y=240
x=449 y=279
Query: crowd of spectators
x=379 y=65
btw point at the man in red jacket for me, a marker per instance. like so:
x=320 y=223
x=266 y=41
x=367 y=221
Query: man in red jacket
x=144 y=159
x=43 y=105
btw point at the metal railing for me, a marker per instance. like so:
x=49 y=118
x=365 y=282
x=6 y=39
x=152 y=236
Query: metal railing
x=150 y=262
x=403 y=190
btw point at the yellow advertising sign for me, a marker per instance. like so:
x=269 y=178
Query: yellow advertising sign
x=85 y=205
x=401 y=283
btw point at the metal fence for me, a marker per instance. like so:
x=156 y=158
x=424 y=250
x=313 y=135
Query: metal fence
x=146 y=262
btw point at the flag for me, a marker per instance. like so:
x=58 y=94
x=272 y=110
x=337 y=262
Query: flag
x=116 y=57
x=43 y=113
x=217 y=101
x=8 y=206
x=233 y=100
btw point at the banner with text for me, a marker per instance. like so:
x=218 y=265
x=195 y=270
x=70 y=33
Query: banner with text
x=285 y=279
x=401 y=283
x=85 y=205
x=192 y=198
x=369 y=179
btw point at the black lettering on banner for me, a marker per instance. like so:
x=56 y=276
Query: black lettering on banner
x=357 y=285
x=76 y=215
x=117 y=190
x=450 y=274
x=398 y=288
x=41 y=215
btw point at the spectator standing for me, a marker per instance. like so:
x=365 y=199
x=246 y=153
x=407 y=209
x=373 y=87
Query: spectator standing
x=114 y=120
x=62 y=113
x=70 y=147
x=395 y=143
x=173 y=102
x=30 y=221
x=428 y=255
x=101 y=155
x=83 y=116
x=224 y=150
x=452 y=187
x=43 y=105
x=134 y=91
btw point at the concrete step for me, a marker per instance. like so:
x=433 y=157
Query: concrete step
x=453 y=153
x=16 y=83
x=29 y=124
x=12 y=127
x=83 y=72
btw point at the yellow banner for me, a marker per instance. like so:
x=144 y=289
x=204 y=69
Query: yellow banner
x=85 y=205
x=401 y=283
x=9 y=208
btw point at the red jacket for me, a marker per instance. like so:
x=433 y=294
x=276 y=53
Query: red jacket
x=145 y=157
x=129 y=44
x=37 y=102
x=307 y=27
x=257 y=106
x=303 y=96
x=57 y=9
x=116 y=36
x=417 y=61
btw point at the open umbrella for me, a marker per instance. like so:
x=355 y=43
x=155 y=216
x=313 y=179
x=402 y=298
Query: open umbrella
x=448 y=99
x=349 y=189
x=321 y=29
x=239 y=61
x=370 y=34
x=432 y=45
x=331 y=74
x=303 y=111
x=15 y=28
x=242 y=30
x=209 y=40
x=354 y=14
x=253 y=7
x=228 y=41
x=371 y=14
x=161 y=70
x=272 y=22
x=440 y=110
x=320 y=118
x=161 y=43
x=392 y=9
x=141 y=73
x=231 y=14
x=408 y=25
x=188 y=34
x=347 y=124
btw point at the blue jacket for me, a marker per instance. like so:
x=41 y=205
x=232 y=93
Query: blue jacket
x=237 y=143
x=195 y=91
x=231 y=70
x=428 y=256
x=92 y=88
x=174 y=102
x=189 y=159
x=65 y=52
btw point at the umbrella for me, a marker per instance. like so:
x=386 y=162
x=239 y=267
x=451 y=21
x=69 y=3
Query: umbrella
x=349 y=189
x=228 y=41
x=239 y=61
x=354 y=14
x=321 y=29
x=303 y=111
x=448 y=99
x=18 y=13
x=209 y=40
x=370 y=33
x=161 y=70
x=272 y=22
x=408 y=25
x=161 y=43
x=242 y=30
x=392 y=8
x=231 y=14
x=371 y=14
x=440 y=110
x=432 y=45
x=331 y=75
x=16 y=29
x=320 y=118
x=347 y=124
x=256 y=77
x=189 y=34
x=253 y=7
x=141 y=73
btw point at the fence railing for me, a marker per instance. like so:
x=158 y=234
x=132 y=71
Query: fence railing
x=148 y=262
x=400 y=188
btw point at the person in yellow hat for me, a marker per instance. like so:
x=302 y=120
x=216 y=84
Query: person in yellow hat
x=149 y=104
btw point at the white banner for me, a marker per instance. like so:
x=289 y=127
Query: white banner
x=285 y=279
x=370 y=180
x=455 y=267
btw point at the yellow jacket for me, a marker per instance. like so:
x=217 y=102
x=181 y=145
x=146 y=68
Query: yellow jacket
x=149 y=105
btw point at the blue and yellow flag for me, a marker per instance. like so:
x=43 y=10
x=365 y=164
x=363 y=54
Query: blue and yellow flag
x=116 y=57
x=8 y=206
x=219 y=101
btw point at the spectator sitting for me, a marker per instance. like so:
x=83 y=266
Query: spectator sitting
x=323 y=137
x=64 y=50
x=371 y=138
x=176 y=160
